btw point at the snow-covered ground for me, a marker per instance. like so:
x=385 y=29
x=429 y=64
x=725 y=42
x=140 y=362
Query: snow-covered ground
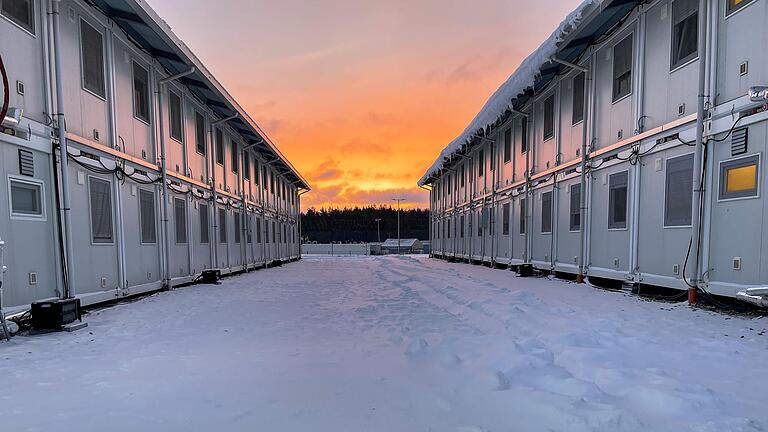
x=391 y=344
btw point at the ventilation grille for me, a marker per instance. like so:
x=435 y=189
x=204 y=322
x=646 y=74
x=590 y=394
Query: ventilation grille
x=26 y=163
x=739 y=142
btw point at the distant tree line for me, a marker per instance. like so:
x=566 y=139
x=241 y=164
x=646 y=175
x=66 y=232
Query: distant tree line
x=358 y=224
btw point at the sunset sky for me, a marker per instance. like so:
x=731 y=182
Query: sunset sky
x=362 y=95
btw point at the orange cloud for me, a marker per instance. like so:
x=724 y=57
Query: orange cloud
x=362 y=102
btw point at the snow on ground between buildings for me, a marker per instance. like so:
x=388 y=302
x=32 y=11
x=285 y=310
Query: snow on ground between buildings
x=390 y=344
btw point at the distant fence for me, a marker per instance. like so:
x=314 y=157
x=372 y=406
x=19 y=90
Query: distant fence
x=336 y=249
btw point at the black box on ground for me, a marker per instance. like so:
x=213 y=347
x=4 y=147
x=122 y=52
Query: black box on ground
x=525 y=270
x=211 y=276
x=53 y=315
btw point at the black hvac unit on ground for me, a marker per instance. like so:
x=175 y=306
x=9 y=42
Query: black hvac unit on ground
x=210 y=276
x=525 y=270
x=53 y=315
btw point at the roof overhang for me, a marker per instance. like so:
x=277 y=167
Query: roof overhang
x=595 y=22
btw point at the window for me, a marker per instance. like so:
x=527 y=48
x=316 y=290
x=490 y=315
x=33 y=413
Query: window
x=739 y=178
x=493 y=157
x=481 y=163
x=505 y=221
x=448 y=228
x=21 y=12
x=546 y=212
x=549 y=117
x=222 y=225
x=264 y=177
x=524 y=134
x=734 y=5
x=235 y=164
x=246 y=166
x=204 y=225
x=678 y=200
x=622 y=68
x=266 y=231
x=180 y=218
x=256 y=171
x=274 y=238
x=92 y=51
x=26 y=199
x=101 y=210
x=685 y=31
x=219 y=147
x=617 y=200
x=461 y=226
x=480 y=221
x=507 y=145
x=491 y=220
x=140 y=92
x=147 y=216
x=258 y=230
x=579 y=84
x=575 y=210
x=523 y=203
x=248 y=230
x=272 y=182
x=236 y=216
x=174 y=113
x=200 y=133
x=461 y=176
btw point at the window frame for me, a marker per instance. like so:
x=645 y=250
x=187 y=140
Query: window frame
x=481 y=163
x=205 y=227
x=234 y=158
x=731 y=11
x=508 y=145
x=612 y=226
x=690 y=58
x=204 y=152
x=583 y=99
x=737 y=162
x=570 y=208
x=176 y=230
x=43 y=216
x=551 y=211
x=179 y=139
x=506 y=215
x=666 y=190
x=524 y=135
x=222 y=234
x=147 y=93
x=81 y=47
x=614 y=98
x=90 y=179
x=237 y=225
x=218 y=147
x=548 y=106
x=32 y=31
x=141 y=216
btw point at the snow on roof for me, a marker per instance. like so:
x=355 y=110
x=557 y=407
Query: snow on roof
x=523 y=78
x=403 y=242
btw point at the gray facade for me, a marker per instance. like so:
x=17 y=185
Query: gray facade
x=234 y=212
x=637 y=77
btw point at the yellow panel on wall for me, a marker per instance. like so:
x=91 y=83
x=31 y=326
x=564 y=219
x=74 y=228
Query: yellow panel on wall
x=741 y=178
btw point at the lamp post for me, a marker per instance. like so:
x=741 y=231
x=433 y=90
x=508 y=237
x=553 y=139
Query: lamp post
x=378 y=229
x=399 y=252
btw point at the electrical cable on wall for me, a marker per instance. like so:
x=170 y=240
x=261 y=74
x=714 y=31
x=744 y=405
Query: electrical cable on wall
x=6 y=91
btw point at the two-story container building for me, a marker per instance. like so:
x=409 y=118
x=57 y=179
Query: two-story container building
x=585 y=161
x=127 y=166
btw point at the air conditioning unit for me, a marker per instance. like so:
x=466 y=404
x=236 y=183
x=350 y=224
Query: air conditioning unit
x=53 y=315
